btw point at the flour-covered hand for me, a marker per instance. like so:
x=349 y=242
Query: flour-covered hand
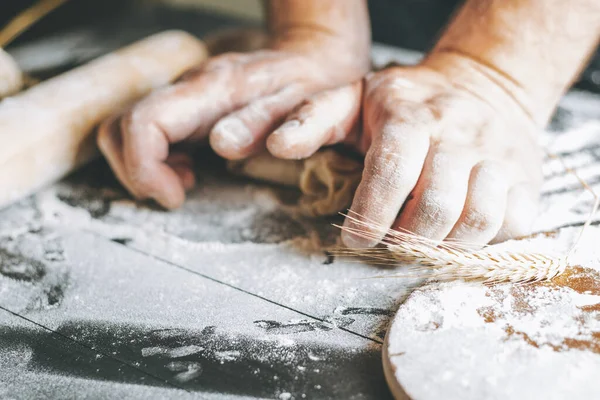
x=234 y=100
x=451 y=144
x=445 y=156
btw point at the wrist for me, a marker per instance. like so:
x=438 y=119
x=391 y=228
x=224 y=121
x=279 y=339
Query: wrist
x=532 y=49
x=488 y=83
x=347 y=56
x=335 y=33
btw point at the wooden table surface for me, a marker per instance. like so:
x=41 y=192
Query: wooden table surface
x=229 y=296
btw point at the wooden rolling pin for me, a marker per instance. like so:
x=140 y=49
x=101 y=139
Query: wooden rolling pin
x=11 y=77
x=47 y=131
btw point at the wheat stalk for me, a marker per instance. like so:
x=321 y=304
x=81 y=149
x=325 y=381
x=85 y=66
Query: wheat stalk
x=447 y=260
x=450 y=260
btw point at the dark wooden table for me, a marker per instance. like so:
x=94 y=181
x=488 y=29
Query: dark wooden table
x=229 y=296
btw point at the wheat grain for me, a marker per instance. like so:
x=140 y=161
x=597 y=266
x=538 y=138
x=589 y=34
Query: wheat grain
x=449 y=260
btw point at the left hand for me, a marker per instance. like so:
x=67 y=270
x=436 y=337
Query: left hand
x=449 y=153
x=234 y=100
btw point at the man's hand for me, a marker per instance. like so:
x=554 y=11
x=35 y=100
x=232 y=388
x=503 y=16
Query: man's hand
x=451 y=145
x=237 y=99
x=442 y=161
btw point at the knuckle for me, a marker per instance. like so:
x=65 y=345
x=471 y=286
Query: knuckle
x=449 y=168
x=396 y=141
x=404 y=116
x=130 y=121
x=483 y=218
x=381 y=77
x=446 y=102
x=103 y=137
x=305 y=110
x=462 y=111
x=393 y=134
x=439 y=209
x=490 y=167
x=222 y=61
x=139 y=120
x=388 y=163
x=341 y=94
x=376 y=97
x=417 y=114
x=492 y=174
x=442 y=163
x=256 y=111
x=378 y=80
x=323 y=99
x=385 y=107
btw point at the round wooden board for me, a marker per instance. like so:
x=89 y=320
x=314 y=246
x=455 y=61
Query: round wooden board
x=468 y=341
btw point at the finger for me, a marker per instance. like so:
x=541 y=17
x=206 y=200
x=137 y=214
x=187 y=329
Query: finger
x=186 y=110
x=243 y=132
x=392 y=167
x=193 y=106
x=165 y=117
x=145 y=167
x=521 y=211
x=183 y=166
x=226 y=83
x=111 y=146
x=485 y=206
x=327 y=118
x=439 y=196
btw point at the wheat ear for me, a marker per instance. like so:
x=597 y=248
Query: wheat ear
x=448 y=260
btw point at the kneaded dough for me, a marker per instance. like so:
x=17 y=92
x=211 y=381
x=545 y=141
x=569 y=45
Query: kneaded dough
x=265 y=167
x=11 y=77
x=328 y=182
x=327 y=179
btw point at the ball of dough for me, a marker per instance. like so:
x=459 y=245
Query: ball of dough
x=326 y=179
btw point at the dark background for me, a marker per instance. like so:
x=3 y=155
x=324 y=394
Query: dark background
x=413 y=24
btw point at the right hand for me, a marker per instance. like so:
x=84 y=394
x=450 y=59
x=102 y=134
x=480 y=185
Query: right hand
x=449 y=154
x=235 y=100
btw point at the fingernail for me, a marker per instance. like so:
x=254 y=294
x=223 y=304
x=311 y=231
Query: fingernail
x=233 y=132
x=288 y=126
